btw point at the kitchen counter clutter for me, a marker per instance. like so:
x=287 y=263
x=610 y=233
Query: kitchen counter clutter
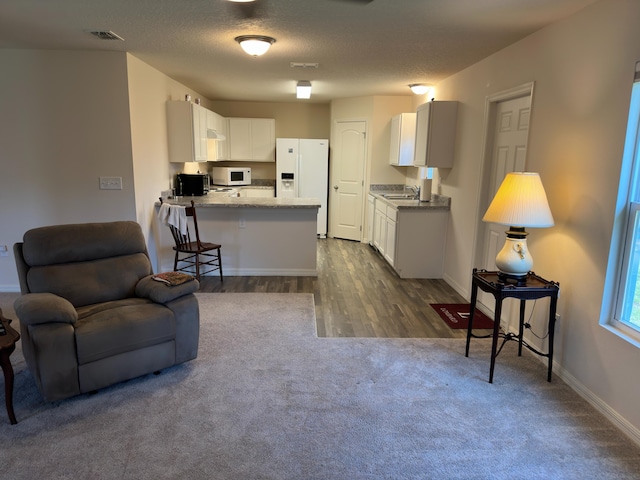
x=409 y=234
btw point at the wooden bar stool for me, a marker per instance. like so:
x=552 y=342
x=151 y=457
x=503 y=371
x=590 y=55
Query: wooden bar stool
x=204 y=256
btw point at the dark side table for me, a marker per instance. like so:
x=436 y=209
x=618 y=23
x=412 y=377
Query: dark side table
x=8 y=339
x=530 y=288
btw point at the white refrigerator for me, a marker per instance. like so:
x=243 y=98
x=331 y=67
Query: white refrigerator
x=302 y=170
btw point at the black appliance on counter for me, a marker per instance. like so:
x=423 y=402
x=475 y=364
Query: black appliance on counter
x=192 y=184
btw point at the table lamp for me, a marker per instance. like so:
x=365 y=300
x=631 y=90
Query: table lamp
x=519 y=202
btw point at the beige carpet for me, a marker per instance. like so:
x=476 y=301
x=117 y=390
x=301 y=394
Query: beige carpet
x=267 y=399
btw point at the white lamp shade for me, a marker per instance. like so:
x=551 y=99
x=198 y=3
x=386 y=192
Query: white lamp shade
x=520 y=202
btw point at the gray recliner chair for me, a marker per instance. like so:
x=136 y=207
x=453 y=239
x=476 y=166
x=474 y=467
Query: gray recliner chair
x=90 y=313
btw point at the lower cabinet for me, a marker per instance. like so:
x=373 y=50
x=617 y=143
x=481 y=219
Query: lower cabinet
x=411 y=240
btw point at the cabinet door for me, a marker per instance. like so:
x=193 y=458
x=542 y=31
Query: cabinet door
x=380 y=230
x=435 y=134
x=263 y=140
x=390 y=243
x=216 y=149
x=199 y=122
x=239 y=139
x=371 y=209
x=187 y=132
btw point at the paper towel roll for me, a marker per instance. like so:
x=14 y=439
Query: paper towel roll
x=425 y=190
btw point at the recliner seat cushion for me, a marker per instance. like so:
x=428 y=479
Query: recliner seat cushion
x=121 y=326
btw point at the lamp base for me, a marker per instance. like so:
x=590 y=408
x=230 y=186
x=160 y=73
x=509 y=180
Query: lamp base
x=514 y=260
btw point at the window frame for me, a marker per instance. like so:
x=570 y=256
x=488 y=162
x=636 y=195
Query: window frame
x=625 y=223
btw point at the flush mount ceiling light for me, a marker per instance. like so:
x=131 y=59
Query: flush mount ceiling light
x=255 y=45
x=419 y=88
x=303 y=89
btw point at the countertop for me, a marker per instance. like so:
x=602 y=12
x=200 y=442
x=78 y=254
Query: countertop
x=437 y=202
x=222 y=201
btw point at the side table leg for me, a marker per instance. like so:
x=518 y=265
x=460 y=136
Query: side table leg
x=474 y=297
x=521 y=328
x=552 y=329
x=496 y=334
x=7 y=369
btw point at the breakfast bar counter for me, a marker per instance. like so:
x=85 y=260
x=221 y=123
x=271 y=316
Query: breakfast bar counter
x=215 y=201
x=260 y=236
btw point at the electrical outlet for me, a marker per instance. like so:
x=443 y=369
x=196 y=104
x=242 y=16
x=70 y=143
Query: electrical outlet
x=242 y=223
x=4 y=251
x=110 y=183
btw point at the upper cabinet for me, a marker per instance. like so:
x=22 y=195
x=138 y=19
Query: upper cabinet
x=187 y=132
x=252 y=139
x=217 y=145
x=402 y=141
x=435 y=134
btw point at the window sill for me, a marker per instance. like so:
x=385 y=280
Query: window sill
x=623 y=331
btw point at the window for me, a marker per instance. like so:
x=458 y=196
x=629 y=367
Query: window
x=621 y=305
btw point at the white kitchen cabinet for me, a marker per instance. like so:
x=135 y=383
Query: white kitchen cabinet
x=187 y=132
x=252 y=139
x=411 y=240
x=390 y=242
x=380 y=226
x=371 y=208
x=402 y=139
x=435 y=134
x=217 y=149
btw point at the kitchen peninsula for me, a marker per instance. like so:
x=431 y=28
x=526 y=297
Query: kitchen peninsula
x=259 y=236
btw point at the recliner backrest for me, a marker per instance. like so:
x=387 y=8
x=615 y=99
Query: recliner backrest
x=85 y=263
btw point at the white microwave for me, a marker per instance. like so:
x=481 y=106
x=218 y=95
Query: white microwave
x=230 y=176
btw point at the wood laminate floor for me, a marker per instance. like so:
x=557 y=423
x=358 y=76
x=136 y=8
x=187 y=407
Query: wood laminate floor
x=357 y=294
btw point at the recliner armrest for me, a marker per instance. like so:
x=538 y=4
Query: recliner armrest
x=159 y=292
x=36 y=308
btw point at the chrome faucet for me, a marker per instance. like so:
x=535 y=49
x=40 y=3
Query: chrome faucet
x=416 y=190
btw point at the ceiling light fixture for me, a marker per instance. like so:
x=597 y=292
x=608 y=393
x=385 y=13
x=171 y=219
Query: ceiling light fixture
x=419 y=88
x=255 y=45
x=303 y=89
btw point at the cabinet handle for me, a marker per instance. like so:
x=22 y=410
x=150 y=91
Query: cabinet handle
x=335 y=187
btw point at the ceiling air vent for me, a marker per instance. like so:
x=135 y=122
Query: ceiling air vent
x=107 y=35
x=303 y=65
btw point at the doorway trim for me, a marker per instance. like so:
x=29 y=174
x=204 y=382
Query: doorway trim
x=482 y=200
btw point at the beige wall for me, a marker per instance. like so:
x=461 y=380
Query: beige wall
x=64 y=122
x=149 y=91
x=583 y=70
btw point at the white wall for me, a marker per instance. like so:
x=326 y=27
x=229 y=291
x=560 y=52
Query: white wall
x=64 y=121
x=583 y=71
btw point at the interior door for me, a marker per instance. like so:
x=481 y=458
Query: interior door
x=510 y=134
x=347 y=180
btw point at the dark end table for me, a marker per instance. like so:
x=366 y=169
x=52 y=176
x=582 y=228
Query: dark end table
x=529 y=288
x=8 y=339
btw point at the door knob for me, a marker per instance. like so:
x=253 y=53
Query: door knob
x=335 y=187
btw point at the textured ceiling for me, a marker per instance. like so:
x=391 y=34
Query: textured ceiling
x=375 y=48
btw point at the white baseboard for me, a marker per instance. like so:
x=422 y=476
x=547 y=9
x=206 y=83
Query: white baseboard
x=614 y=417
x=457 y=287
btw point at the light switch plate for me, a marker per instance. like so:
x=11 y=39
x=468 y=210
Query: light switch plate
x=110 y=183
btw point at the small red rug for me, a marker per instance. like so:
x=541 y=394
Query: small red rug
x=456 y=315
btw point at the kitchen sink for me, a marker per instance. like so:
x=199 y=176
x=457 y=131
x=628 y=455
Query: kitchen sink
x=400 y=196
